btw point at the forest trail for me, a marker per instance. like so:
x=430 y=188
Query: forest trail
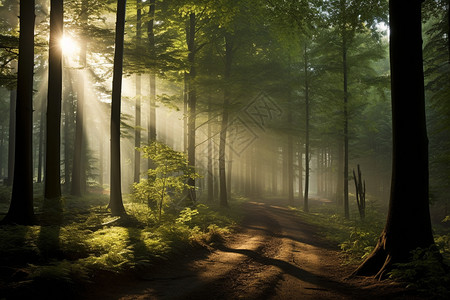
x=274 y=255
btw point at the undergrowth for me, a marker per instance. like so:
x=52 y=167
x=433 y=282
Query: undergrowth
x=428 y=270
x=82 y=245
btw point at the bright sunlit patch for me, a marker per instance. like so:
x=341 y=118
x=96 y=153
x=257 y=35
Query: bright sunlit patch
x=68 y=46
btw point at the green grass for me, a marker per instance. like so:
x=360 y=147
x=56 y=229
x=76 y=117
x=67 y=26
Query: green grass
x=80 y=245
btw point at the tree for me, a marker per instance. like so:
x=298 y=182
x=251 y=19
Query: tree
x=137 y=130
x=115 y=202
x=408 y=224
x=225 y=116
x=350 y=17
x=21 y=208
x=53 y=149
x=78 y=162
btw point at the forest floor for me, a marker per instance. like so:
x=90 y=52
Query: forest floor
x=272 y=255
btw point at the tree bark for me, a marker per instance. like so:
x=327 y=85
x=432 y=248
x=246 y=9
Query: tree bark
x=408 y=224
x=152 y=102
x=210 y=179
x=115 y=202
x=307 y=145
x=290 y=162
x=53 y=149
x=137 y=130
x=21 y=209
x=345 y=74
x=12 y=135
x=192 y=101
x=224 y=125
x=41 y=141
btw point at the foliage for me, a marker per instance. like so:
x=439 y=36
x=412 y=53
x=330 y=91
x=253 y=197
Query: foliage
x=355 y=238
x=166 y=183
x=425 y=272
x=88 y=242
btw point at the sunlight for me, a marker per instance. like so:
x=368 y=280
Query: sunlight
x=68 y=46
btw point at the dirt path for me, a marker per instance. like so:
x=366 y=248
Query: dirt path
x=274 y=256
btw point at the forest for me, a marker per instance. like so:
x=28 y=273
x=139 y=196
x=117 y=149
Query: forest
x=220 y=149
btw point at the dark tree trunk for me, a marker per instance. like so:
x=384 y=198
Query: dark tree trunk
x=408 y=224
x=307 y=145
x=152 y=102
x=290 y=162
x=78 y=168
x=12 y=136
x=210 y=179
x=79 y=141
x=345 y=72
x=137 y=130
x=230 y=168
x=340 y=173
x=115 y=202
x=41 y=141
x=224 y=125
x=300 y=174
x=185 y=112
x=192 y=100
x=68 y=111
x=21 y=209
x=53 y=149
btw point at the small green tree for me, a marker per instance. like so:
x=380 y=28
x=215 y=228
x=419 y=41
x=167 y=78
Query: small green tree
x=167 y=181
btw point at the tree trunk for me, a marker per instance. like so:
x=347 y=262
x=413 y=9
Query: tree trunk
x=300 y=174
x=345 y=72
x=53 y=149
x=68 y=110
x=290 y=162
x=41 y=141
x=152 y=102
x=137 y=130
x=12 y=135
x=78 y=168
x=115 y=202
x=224 y=125
x=192 y=101
x=230 y=168
x=307 y=145
x=210 y=179
x=408 y=224
x=21 y=209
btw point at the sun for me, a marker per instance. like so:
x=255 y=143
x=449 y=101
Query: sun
x=68 y=46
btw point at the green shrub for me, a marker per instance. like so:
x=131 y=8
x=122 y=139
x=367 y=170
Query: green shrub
x=425 y=273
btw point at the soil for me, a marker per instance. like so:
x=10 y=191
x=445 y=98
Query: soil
x=273 y=255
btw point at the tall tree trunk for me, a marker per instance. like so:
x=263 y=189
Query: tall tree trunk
x=300 y=173
x=41 y=141
x=152 y=102
x=115 y=202
x=79 y=156
x=340 y=173
x=21 y=209
x=230 y=168
x=192 y=100
x=224 y=125
x=210 y=183
x=290 y=163
x=185 y=112
x=137 y=130
x=12 y=135
x=53 y=149
x=68 y=108
x=345 y=73
x=79 y=141
x=408 y=224
x=307 y=145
